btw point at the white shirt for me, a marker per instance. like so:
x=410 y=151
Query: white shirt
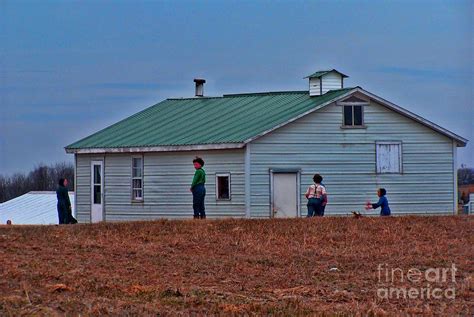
x=315 y=191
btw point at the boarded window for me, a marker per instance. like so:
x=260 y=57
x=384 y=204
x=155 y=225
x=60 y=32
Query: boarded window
x=223 y=186
x=353 y=116
x=389 y=157
x=137 y=178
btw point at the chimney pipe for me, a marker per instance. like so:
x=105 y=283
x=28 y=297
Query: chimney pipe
x=199 y=87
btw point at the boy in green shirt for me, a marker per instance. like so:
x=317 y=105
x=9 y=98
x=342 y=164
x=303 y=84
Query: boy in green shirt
x=198 y=189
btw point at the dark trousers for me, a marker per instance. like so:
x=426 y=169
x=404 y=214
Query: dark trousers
x=62 y=214
x=199 y=193
x=65 y=215
x=315 y=207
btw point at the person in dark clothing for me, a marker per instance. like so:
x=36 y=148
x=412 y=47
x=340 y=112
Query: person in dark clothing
x=64 y=204
x=383 y=203
x=198 y=189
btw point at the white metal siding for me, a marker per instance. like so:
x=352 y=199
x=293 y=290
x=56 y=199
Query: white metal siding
x=314 y=87
x=346 y=158
x=166 y=181
x=470 y=204
x=83 y=188
x=331 y=81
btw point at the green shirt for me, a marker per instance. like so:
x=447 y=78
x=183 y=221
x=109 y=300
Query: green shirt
x=199 y=177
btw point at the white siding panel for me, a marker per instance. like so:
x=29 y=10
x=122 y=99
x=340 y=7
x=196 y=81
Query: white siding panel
x=83 y=186
x=331 y=81
x=347 y=160
x=314 y=87
x=167 y=178
x=328 y=82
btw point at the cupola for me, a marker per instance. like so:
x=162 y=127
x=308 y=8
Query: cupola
x=323 y=81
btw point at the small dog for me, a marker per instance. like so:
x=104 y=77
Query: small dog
x=357 y=214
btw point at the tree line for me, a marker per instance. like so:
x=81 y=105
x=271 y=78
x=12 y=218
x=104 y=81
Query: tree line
x=41 y=178
x=465 y=175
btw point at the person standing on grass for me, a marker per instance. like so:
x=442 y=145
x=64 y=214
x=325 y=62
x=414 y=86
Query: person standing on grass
x=315 y=195
x=198 y=189
x=383 y=203
x=64 y=204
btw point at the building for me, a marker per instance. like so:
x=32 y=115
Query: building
x=33 y=208
x=466 y=189
x=469 y=207
x=261 y=150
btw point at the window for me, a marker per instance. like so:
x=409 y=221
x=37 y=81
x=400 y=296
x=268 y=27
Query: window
x=97 y=183
x=223 y=186
x=389 y=157
x=137 y=178
x=353 y=115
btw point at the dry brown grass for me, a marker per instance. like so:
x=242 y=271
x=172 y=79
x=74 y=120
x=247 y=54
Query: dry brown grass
x=231 y=267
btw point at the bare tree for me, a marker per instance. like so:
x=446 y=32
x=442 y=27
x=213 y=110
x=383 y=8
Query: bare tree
x=41 y=178
x=465 y=175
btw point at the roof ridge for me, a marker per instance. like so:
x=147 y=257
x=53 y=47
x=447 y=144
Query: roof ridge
x=243 y=94
x=194 y=98
x=282 y=92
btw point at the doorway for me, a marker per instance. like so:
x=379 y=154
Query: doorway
x=97 y=191
x=284 y=194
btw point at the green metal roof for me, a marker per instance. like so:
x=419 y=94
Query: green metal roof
x=323 y=72
x=206 y=120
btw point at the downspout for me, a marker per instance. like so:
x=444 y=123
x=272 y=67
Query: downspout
x=455 y=179
x=247 y=181
x=75 y=185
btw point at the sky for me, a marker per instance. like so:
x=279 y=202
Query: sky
x=71 y=68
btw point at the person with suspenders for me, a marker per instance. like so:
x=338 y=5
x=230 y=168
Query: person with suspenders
x=315 y=194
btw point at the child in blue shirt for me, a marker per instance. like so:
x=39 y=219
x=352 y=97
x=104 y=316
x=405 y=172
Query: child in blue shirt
x=383 y=203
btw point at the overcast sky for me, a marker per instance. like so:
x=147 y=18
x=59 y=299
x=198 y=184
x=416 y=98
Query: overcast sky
x=68 y=69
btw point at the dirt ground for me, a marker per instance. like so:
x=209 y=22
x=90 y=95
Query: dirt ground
x=240 y=267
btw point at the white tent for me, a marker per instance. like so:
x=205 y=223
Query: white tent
x=33 y=208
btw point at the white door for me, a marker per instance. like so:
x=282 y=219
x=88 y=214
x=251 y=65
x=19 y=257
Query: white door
x=285 y=195
x=97 y=191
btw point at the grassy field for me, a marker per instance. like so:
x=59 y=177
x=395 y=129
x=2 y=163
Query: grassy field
x=237 y=267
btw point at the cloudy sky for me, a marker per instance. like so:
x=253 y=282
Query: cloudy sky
x=70 y=68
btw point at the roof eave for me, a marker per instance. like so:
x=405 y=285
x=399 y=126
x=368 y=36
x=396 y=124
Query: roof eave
x=161 y=148
x=460 y=141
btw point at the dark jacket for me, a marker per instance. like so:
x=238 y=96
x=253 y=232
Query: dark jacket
x=64 y=206
x=63 y=198
x=383 y=202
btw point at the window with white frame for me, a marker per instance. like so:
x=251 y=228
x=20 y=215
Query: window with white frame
x=223 y=186
x=353 y=115
x=389 y=157
x=137 y=178
x=353 y=111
